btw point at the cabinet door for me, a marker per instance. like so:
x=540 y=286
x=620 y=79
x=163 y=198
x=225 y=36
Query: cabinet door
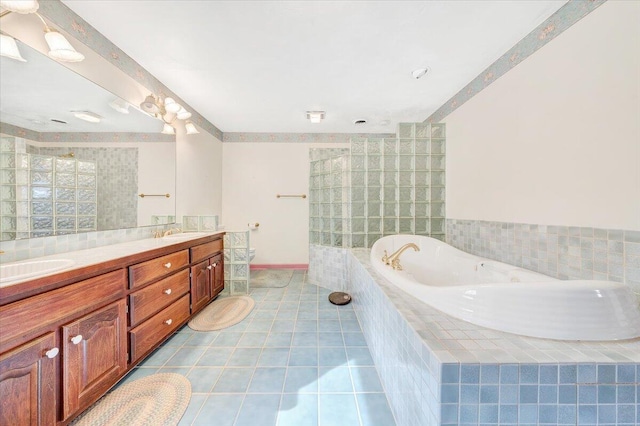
x=200 y=288
x=95 y=356
x=217 y=276
x=28 y=383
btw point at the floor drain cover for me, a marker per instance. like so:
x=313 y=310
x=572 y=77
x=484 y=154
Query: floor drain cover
x=339 y=298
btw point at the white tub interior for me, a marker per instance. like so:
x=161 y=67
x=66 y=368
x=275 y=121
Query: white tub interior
x=507 y=298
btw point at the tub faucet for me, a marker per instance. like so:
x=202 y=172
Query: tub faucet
x=394 y=259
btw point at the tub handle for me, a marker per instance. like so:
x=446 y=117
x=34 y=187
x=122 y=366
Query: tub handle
x=385 y=258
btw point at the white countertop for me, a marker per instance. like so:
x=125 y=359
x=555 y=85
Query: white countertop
x=92 y=256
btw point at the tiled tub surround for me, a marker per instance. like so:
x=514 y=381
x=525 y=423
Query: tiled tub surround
x=565 y=252
x=328 y=267
x=499 y=296
x=439 y=370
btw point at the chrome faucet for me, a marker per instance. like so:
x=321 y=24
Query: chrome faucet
x=394 y=259
x=170 y=231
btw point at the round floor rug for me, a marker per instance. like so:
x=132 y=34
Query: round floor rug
x=159 y=399
x=271 y=278
x=222 y=313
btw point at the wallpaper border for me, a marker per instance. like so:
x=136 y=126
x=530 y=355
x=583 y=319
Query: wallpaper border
x=556 y=24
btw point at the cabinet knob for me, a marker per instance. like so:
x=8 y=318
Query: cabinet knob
x=168 y=322
x=215 y=264
x=52 y=353
x=167 y=265
x=167 y=291
x=76 y=339
x=210 y=267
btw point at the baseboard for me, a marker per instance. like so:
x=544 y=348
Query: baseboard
x=280 y=266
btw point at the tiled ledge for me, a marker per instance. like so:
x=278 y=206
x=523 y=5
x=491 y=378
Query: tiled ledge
x=439 y=370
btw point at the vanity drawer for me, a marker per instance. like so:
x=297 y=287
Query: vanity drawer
x=149 y=333
x=145 y=272
x=206 y=250
x=147 y=301
x=31 y=317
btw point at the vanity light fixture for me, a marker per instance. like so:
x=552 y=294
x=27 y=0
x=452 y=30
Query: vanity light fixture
x=59 y=47
x=9 y=48
x=171 y=105
x=315 y=116
x=89 y=116
x=191 y=128
x=20 y=6
x=167 y=110
x=183 y=114
x=168 y=129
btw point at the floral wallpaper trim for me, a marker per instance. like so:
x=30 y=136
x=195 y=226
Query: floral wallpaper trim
x=68 y=21
x=301 y=137
x=10 y=129
x=564 y=18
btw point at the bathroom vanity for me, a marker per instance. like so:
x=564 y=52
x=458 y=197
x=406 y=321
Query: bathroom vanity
x=67 y=338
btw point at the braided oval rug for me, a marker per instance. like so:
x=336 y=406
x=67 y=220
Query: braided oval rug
x=222 y=313
x=158 y=399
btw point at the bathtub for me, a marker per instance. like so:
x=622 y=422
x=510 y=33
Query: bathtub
x=507 y=298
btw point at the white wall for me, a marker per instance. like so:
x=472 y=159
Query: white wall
x=199 y=174
x=253 y=173
x=156 y=175
x=556 y=140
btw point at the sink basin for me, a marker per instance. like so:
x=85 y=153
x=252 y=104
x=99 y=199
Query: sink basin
x=19 y=271
x=185 y=235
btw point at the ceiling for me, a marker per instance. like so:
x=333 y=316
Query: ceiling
x=257 y=66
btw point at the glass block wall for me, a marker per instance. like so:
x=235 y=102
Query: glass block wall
x=329 y=218
x=382 y=186
x=200 y=223
x=44 y=195
x=236 y=262
x=117 y=181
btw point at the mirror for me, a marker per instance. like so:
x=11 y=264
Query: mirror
x=61 y=174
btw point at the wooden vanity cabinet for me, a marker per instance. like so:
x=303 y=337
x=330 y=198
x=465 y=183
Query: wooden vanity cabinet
x=207 y=275
x=28 y=383
x=157 y=308
x=94 y=356
x=200 y=286
x=62 y=349
x=217 y=275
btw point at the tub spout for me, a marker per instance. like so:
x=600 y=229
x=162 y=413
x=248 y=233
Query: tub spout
x=394 y=259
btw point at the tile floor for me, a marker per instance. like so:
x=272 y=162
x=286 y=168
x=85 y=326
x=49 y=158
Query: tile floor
x=295 y=360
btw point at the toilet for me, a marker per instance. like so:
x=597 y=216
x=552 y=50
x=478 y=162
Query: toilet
x=252 y=254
